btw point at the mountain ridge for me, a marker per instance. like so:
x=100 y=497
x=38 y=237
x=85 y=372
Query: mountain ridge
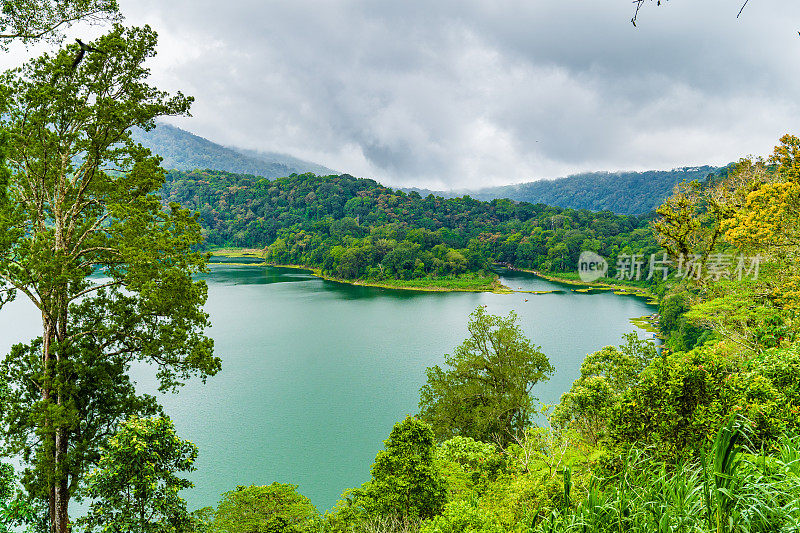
x=183 y=150
x=624 y=192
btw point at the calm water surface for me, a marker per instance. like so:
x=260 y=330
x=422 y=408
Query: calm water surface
x=315 y=373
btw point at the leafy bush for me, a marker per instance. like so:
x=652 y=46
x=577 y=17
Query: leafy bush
x=468 y=466
x=462 y=516
x=275 y=508
x=681 y=398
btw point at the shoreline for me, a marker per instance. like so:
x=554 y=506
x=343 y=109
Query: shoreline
x=588 y=286
x=495 y=287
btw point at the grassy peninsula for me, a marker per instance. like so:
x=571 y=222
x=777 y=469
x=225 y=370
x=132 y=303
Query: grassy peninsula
x=467 y=282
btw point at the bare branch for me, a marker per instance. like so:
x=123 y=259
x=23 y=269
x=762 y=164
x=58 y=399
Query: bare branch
x=740 y=11
x=94 y=288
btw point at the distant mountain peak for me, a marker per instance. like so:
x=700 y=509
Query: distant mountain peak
x=183 y=150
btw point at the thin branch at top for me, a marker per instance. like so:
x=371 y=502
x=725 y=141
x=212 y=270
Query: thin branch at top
x=740 y=11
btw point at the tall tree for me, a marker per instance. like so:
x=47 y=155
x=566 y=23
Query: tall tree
x=485 y=393
x=32 y=20
x=405 y=477
x=84 y=236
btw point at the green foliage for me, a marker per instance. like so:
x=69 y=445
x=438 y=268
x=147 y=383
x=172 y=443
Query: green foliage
x=134 y=487
x=32 y=20
x=101 y=394
x=604 y=375
x=485 y=393
x=745 y=312
x=15 y=511
x=406 y=484
x=80 y=200
x=462 y=516
x=202 y=519
x=469 y=466
x=728 y=491
x=7 y=482
x=545 y=469
x=681 y=398
x=405 y=478
x=358 y=229
x=680 y=332
x=721 y=484
x=275 y=508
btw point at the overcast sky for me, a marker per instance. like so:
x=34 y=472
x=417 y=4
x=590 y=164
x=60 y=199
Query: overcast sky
x=466 y=93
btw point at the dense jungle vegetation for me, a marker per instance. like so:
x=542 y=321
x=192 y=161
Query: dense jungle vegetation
x=627 y=193
x=698 y=435
x=355 y=228
x=701 y=434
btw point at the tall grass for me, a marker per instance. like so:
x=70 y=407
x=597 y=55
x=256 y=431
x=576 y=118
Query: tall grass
x=731 y=489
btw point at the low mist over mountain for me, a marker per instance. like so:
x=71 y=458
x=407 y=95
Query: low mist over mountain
x=621 y=192
x=182 y=150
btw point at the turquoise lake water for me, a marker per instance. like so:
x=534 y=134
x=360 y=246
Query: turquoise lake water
x=315 y=373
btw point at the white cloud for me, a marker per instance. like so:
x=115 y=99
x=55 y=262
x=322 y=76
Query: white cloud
x=463 y=93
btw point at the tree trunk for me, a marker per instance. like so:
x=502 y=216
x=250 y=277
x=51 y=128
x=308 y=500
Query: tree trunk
x=62 y=495
x=48 y=334
x=62 y=435
x=58 y=489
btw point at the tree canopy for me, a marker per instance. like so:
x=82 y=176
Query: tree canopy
x=485 y=391
x=134 y=487
x=32 y=20
x=276 y=507
x=84 y=236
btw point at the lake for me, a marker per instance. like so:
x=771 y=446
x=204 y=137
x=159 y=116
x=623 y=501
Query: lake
x=315 y=373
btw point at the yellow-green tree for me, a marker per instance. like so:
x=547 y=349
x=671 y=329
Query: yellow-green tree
x=134 y=488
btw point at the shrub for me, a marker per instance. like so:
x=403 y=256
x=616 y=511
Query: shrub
x=275 y=508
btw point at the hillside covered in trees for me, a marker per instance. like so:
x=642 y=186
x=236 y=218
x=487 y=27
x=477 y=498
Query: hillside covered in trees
x=355 y=228
x=701 y=434
x=630 y=193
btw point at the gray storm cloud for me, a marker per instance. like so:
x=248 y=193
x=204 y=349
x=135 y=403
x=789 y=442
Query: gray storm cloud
x=467 y=93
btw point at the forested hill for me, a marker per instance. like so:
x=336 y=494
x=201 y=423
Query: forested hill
x=621 y=192
x=630 y=193
x=357 y=228
x=185 y=151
